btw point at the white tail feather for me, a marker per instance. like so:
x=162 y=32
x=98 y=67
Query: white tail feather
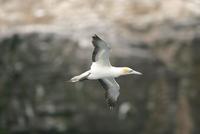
x=74 y=79
x=80 y=77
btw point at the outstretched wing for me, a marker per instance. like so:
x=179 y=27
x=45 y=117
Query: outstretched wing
x=101 y=51
x=112 y=90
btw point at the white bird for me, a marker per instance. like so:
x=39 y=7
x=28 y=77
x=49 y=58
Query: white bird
x=103 y=71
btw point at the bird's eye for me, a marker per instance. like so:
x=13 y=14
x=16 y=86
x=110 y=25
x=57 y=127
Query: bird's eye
x=130 y=71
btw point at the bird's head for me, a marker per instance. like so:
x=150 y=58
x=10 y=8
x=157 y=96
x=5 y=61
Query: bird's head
x=127 y=70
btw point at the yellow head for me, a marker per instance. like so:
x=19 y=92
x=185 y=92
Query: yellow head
x=127 y=70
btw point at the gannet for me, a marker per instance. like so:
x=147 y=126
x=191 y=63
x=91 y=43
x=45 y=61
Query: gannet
x=103 y=71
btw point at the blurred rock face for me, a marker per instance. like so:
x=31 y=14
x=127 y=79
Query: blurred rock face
x=44 y=43
x=139 y=13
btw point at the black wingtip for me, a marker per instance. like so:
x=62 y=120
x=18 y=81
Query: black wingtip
x=111 y=103
x=95 y=37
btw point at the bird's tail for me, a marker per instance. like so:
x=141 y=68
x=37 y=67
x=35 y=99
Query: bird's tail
x=74 y=79
x=81 y=77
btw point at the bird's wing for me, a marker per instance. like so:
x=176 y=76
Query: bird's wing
x=112 y=90
x=101 y=51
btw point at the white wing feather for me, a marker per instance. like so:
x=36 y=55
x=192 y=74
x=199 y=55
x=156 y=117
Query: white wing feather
x=112 y=90
x=101 y=51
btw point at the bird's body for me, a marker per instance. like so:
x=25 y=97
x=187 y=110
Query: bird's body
x=103 y=71
x=98 y=71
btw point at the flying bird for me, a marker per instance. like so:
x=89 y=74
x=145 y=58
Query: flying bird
x=103 y=71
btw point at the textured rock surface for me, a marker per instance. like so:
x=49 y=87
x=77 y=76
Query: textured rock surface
x=43 y=44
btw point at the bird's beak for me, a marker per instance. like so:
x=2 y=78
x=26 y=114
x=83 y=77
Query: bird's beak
x=135 y=72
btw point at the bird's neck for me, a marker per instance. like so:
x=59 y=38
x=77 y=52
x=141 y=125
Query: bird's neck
x=117 y=71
